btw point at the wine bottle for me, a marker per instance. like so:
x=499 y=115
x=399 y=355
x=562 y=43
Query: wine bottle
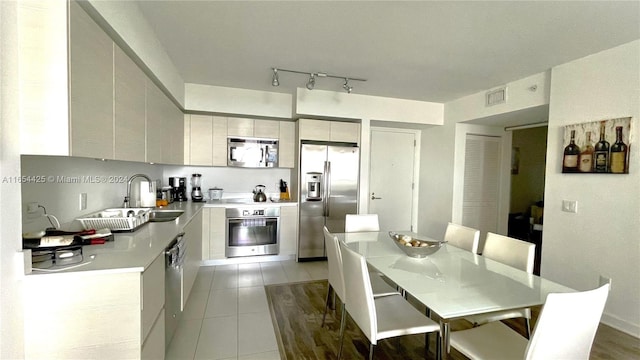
x=619 y=154
x=601 y=153
x=586 y=156
x=571 y=154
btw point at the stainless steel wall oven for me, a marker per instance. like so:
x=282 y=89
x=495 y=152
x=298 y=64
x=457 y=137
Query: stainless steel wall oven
x=252 y=231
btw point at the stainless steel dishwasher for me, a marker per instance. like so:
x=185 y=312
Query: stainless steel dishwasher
x=174 y=260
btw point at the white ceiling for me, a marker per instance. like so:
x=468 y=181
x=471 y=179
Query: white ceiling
x=423 y=50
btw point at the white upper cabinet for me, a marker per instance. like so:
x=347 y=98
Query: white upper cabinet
x=91 y=87
x=322 y=130
x=155 y=133
x=286 y=144
x=241 y=127
x=201 y=140
x=129 y=105
x=219 y=141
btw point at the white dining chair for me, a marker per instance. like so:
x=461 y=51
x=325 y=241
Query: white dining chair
x=336 y=276
x=463 y=237
x=565 y=329
x=515 y=253
x=382 y=317
x=361 y=222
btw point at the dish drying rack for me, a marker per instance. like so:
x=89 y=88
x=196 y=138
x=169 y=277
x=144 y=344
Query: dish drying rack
x=123 y=220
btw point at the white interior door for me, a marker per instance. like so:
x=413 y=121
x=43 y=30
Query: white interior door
x=393 y=177
x=481 y=183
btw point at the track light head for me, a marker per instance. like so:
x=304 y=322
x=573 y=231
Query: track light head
x=274 y=80
x=346 y=86
x=312 y=81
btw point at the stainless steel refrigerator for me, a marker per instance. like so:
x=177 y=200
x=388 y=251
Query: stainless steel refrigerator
x=328 y=191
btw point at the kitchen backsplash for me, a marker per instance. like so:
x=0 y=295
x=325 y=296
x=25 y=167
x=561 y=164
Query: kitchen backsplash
x=57 y=182
x=232 y=180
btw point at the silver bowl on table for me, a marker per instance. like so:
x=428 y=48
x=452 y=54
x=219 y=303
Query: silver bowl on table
x=414 y=247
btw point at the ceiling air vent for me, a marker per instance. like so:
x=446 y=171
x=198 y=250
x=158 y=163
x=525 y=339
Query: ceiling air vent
x=497 y=96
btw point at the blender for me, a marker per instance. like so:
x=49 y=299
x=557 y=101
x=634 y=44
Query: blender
x=196 y=187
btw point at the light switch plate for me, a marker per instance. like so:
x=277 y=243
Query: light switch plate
x=83 y=201
x=570 y=206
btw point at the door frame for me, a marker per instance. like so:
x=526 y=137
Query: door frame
x=416 y=170
x=504 y=191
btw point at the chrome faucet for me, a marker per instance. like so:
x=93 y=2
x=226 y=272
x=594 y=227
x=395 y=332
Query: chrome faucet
x=126 y=203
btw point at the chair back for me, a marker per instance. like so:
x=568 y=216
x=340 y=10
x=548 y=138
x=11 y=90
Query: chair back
x=361 y=222
x=334 y=263
x=567 y=325
x=360 y=304
x=463 y=237
x=509 y=251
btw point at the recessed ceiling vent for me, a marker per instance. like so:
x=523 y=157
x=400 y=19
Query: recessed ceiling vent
x=497 y=96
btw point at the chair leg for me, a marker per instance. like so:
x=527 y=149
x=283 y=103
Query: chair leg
x=342 y=326
x=371 y=351
x=527 y=327
x=438 y=347
x=326 y=305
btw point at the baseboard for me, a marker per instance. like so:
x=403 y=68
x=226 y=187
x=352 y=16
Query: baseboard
x=622 y=325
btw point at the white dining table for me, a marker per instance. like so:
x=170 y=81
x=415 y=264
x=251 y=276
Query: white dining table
x=452 y=283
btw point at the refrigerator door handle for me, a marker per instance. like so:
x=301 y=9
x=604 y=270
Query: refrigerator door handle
x=327 y=187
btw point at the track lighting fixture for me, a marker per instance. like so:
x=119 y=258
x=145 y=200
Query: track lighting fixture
x=312 y=81
x=346 y=85
x=312 y=78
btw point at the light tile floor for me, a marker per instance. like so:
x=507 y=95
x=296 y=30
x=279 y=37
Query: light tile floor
x=227 y=315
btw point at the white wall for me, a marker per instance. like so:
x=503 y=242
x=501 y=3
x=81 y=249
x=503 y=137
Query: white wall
x=11 y=260
x=245 y=102
x=332 y=104
x=236 y=182
x=61 y=198
x=603 y=237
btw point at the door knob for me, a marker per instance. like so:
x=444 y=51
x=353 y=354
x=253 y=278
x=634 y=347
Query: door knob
x=374 y=197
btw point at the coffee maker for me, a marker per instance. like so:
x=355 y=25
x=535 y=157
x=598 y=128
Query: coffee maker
x=196 y=187
x=178 y=188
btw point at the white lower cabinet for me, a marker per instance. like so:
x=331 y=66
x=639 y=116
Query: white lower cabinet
x=288 y=230
x=153 y=347
x=89 y=315
x=213 y=233
x=193 y=255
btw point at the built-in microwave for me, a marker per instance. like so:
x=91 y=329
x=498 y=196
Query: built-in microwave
x=252 y=152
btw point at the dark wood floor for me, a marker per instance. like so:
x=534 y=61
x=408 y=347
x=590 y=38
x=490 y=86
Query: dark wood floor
x=297 y=314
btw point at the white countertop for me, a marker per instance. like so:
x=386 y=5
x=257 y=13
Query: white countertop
x=133 y=251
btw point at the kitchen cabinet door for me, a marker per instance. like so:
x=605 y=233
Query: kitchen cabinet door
x=129 y=105
x=314 y=130
x=345 y=132
x=153 y=347
x=217 y=233
x=201 y=145
x=152 y=294
x=219 y=144
x=91 y=87
x=287 y=144
x=288 y=229
x=155 y=133
x=240 y=127
x=175 y=127
x=193 y=256
x=269 y=129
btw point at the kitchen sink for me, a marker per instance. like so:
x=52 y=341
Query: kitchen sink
x=164 y=215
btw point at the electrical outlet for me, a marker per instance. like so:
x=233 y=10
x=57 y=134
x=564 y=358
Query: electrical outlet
x=83 y=201
x=605 y=280
x=32 y=208
x=570 y=206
